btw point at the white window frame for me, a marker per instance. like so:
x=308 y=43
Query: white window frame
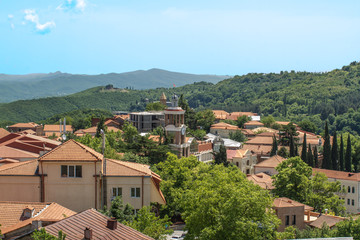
x=117 y=192
x=68 y=170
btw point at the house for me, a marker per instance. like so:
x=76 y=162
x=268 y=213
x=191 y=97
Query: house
x=223 y=129
x=91 y=224
x=203 y=151
x=243 y=159
x=253 y=124
x=261 y=140
x=350 y=183
x=17 y=218
x=220 y=115
x=54 y=129
x=147 y=121
x=261 y=179
x=79 y=178
x=235 y=115
x=226 y=142
x=330 y=221
x=268 y=166
x=290 y=212
x=92 y=131
x=121 y=119
x=18 y=127
x=23 y=147
x=262 y=151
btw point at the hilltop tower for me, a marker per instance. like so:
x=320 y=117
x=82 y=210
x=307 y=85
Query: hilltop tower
x=175 y=128
x=163 y=99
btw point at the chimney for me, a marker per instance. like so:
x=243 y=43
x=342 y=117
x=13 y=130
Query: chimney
x=112 y=223
x=87 y=233
x=36 y=224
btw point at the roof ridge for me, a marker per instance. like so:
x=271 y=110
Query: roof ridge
x=17 y=164
x=119 y=162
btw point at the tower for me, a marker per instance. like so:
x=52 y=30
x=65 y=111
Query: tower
x=163 y=99
x=175 y=128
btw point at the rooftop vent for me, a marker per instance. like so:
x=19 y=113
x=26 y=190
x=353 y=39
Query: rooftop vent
x=88 y=233
x=112 y=223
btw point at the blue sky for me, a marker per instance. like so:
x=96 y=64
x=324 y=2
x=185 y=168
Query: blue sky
x=213 y=37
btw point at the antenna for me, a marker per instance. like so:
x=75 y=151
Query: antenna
x=64 y=136
x=60 y=126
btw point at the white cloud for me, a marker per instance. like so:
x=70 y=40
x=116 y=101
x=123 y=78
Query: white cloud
x=10 y=16
x=76 y=5
x=31 y=16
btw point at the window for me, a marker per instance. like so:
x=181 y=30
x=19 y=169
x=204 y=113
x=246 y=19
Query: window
x=353 y=189
x=294 y=220
x=237 y=164
x=71 y=171
x=348 y=189
x=352 y=202
x=248 y=162
x=135 y=192
x=287 y=220
x=117 y=191
x=348 y=201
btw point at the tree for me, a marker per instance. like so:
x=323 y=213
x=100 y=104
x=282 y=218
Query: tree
x=341 y=155
x=190 y=119
x=237 y=136
x=150 y=225
x=274 y=148
x=293 y=179
x=303 y=150
x=292 y=146
x=307 y=125
x=43 y=235
x=118 y=211
x=335 y=154
x=316 y=157
x=100 y=126
x=222 y=204
x=348 y=161
x=283 y=152
x=221 y=156
x=129 y=132
x=205 y=119
x=268 y=121
x=348 y=227
x=240 y=121
x=156 y=106
x=310 y=157
x=131 y=157
x=326 y=162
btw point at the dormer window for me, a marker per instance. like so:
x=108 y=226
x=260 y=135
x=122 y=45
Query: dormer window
x=71 y=171
x=28 y=212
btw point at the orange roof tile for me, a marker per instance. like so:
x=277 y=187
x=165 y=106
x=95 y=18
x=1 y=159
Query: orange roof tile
x=222 y=125
x=3 y=132
x=253 y=123
x=258 y=149
x=10 y=152
x=56 y=128
x=110 y=121
x=271 y=162
x=261 y=179
x=338 y=174
x=75 y=225
x=287 y=202
x=220 y=114
x=72 y=151
x=328 y=219
x=26 y=168
x=124 y=168
x=24 y=125
x=92 y=130
x=260 y=141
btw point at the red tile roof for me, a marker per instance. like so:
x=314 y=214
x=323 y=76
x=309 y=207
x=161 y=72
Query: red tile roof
x=222 y=125
x=26 y=168
x=287 y=202
x=3 y=132
x=261 y=179
x=271 y=162
x=338 y=174
x=253 y=123
x=205 y=146
x=75 y=225
x=328 y=219
x=220 y=114
x=260 y=141
x=258 y=149
x=24 y=125
x=56 y=128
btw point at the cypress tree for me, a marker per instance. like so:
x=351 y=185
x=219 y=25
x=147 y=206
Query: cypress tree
x=303 y=150
x=348 y=155
x=316 y=157
x=310 y=157
x=335 y=153
x=296 y=150
x=326 y=162
x=292 y=146
x=274 y=148
x=341 y=154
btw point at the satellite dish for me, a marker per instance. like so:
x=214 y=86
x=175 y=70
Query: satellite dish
x=63 y=137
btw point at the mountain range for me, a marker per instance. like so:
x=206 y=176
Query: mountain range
x=38 y=85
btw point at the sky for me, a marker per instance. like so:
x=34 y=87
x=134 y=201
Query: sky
x=202 y=37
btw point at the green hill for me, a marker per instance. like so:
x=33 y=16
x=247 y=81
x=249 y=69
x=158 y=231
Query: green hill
x=297 y=96
x=20 y=87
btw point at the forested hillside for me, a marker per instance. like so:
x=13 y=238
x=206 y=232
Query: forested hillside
x=297 y=96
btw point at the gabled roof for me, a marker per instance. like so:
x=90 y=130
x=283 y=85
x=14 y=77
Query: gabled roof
x=3 y=132
x=92 y=130
x=110 y=121
x=26 y=168
x=338 y=174
x=239 y=153
x=328 y=219
x=222 y=125
x=72 y=151
x=271 y=162
x=220 y=114
x=11 y=214
x=260 y=141
x=262 y=179
x=287 y=202
x=258 y=149
x=253 y=123
x=56 y=128
x=24 y=125
x=75 y=225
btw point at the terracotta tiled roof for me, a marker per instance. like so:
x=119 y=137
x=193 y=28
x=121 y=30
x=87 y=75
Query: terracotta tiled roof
x=287 y=202
x=243 y=113
x=28 y=131
x=92 y=130
x=11 y=214
x=72 y=151
x=253 y=123
x=220 y=114
x=248 y=132
x=124 y=168
x=222 y=125
x=272 y=162
x=56 y=128
x=260 y=141
x=3 y=132
x=258 y=149
x=330 y=221
x=110 y=121
x=9 y=152
x=258 y=129
x=205 y=146
x=267 y=134
x=339 y=174
x=26 y=168
x=24 y=125
x=8 y=160
x=261 y=179
x=75 y=225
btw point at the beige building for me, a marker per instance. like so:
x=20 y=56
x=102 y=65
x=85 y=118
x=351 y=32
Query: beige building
x=350 y=183
x=243 y=159
x=261 y=179
x=268 y=166
x=223 y=129
x=76 y=177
